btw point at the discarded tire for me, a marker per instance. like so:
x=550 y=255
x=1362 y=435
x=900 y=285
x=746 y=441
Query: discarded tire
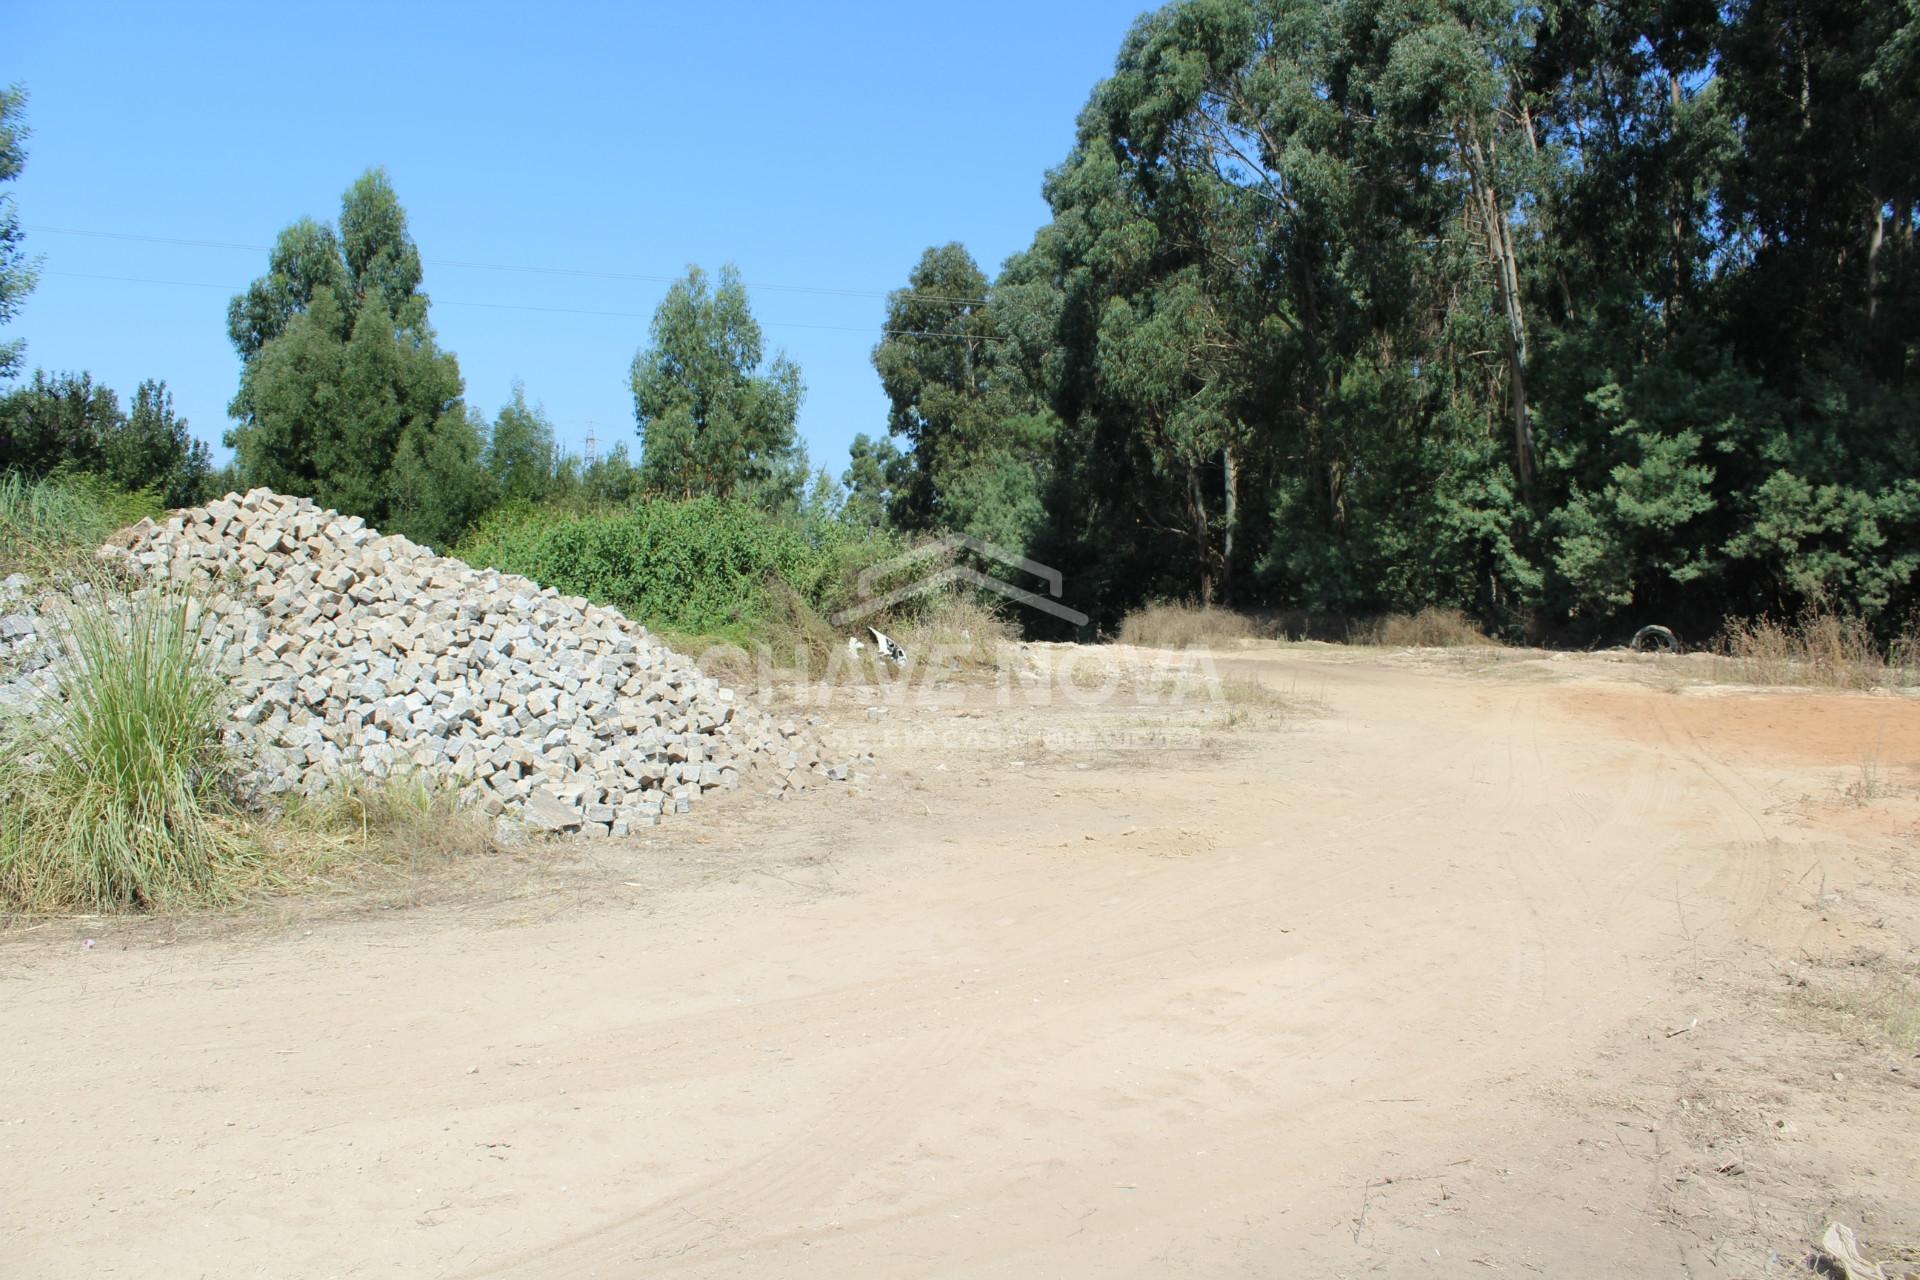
x=1654 y=640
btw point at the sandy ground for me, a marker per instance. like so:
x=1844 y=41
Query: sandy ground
x=1459 y=965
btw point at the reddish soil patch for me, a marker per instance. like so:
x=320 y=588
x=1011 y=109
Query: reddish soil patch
x=1835 y=729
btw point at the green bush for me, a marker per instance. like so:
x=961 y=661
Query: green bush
x=704 y=567
x=112 y=796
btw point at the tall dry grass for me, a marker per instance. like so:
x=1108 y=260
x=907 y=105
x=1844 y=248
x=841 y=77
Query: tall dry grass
x=1431 y=628
x=955 y=627
x=1174 y=625
x=1821 y=649
x=1185 y=626
x=959 y=627
x=112 y=792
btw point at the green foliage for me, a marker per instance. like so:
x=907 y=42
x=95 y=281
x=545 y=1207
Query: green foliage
x=996 y=496
x=70 y=424
x=520 y=450
x=711 y=422
x=438 y=486
x=1832 y=541
x=1574 y=314
x=877 y=474
x=611 y=479
x=1611 y=542
x=44 y=523
x=54 y=422
x=344 y=395
x=304 y=263
x=18 y=272
x=151 y=449
x=704 y=567
x=57 y=522
x=113 y=798
x=981 y=440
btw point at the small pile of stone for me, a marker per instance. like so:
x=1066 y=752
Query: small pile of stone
x=23 y=636
x=349 y=652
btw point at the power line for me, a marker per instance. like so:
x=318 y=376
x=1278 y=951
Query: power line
x=185 y=284
x=563 y=311
x=575 y=272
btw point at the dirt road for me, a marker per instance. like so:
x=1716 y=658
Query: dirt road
x=1475 y=966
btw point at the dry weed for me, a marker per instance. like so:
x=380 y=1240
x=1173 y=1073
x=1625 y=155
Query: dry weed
x=1820 y=648
x=1869 y=785
x=1431 y=628
x=1241 y=691
x=1244 y=701
x=1867 y=990
x=959 y=628
x=401 y=823
x=1239 y=699
x=1186 y=626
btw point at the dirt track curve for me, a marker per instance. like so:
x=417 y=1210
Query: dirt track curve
x=1365 y=991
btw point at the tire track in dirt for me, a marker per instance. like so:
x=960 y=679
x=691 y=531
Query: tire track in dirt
x=1510 y=1000
x=793 y=1174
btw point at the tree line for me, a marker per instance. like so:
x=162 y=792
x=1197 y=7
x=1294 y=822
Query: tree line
x=346 y=396
x=1571 y=316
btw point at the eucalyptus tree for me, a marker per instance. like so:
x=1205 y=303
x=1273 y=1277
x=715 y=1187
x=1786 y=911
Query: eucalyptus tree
x=980 y=437
x=711 y=419
x=1270 y=235
x=520 y=451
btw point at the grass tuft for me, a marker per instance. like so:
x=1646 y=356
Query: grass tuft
x=112 y=792
x=406 y=822
x=1246 y=692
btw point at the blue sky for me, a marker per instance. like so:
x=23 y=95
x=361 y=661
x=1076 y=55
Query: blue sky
x=822 y=146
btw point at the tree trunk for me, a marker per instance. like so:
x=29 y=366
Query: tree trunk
x=1506 y=278
x=1231 y=469
x=1898 y=270
x=1202 y=550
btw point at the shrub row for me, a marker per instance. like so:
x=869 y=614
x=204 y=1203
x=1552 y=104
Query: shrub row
x=702 y=568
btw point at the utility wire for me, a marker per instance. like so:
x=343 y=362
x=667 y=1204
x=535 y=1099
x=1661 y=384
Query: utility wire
x=565 y=311
x=579 y=273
